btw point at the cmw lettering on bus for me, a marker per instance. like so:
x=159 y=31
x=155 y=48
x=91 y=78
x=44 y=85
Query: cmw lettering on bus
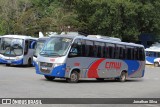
x=113 y=65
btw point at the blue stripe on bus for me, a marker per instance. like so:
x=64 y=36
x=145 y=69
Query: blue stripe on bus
x=150 y=59
x=17 y=62
x=36 y=67
x=132 y=66
x=33 y=63
x=3 y=61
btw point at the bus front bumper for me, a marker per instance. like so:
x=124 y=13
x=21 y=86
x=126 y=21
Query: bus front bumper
x=13 y=62
x=58 y=71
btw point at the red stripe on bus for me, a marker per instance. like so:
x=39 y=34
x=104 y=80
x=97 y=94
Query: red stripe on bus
x=92 y=71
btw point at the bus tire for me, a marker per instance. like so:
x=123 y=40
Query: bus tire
x=100 y=79
x=156 y=64
x=49 y=78
x=8 y=64
x=74 y=77
x=123 y=76
x=29 y=62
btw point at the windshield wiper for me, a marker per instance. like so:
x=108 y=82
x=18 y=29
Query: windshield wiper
x=50 y=54
x=54 y=54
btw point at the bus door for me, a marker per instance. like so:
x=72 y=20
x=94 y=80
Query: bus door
x=75 y=59
x=29 y=50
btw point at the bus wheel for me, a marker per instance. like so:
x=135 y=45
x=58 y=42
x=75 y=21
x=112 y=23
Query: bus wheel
x=49 y=78
x=100 y=79
x=74 y=77
x=156 y=64
x=123 y=76
x=8 y=64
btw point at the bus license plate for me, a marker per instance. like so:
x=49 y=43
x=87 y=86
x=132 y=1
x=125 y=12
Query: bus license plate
x=9 y=61
x=44 y=68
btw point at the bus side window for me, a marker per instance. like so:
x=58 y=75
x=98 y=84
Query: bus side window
x=129 y=56
x=75 y=49
x=89 y=49
x=83 y=53
x=26 y=47
x=120 y=51
x=101 y=50
x=96 y=49
x=110 y=51
x=124 y=53
x=155 y=54
x=141 y=54
x=117 y=52
x=158 y=54
x=113 y=52
x=136 y=54
x=32 y=44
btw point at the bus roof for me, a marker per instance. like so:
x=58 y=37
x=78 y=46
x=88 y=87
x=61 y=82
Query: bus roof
x=112 y=40
x=19 y=36
x=43 y=38
x=153 y=50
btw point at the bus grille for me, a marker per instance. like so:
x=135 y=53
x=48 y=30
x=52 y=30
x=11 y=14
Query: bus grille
x=45 y=67
x=46 y=64
x=45 y=71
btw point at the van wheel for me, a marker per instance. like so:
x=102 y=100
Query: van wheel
x=156 y=64
x=74 y=77
x=123 y=76
x=8 y=64
x=49 y=78
x=29 y=63
x=100 y=79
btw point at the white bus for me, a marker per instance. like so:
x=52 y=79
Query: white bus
x=76 y=57
x=17 y=50
x=153 y=56
x=39 y=45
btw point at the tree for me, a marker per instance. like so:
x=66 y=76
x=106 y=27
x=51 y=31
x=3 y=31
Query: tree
x=125 y=19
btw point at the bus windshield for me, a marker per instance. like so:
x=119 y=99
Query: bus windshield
x=39 y=46
x=11 y=47
x=56 y=46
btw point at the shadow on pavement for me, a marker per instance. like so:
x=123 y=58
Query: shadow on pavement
x=20 y=66
x=95 y=81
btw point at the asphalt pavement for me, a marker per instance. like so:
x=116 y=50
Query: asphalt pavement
x=23 y=82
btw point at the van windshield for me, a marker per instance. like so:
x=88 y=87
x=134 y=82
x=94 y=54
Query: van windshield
x=11 y=47
x=56 y=46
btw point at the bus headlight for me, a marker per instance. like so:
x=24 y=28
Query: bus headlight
x=17 y=58
x=57 y=64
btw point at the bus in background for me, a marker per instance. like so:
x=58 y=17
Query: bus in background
x=153 y=56
x=39 y=45
x=17 y=50
x=76 y=57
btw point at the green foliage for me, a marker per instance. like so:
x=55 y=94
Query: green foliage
x=125 y=19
